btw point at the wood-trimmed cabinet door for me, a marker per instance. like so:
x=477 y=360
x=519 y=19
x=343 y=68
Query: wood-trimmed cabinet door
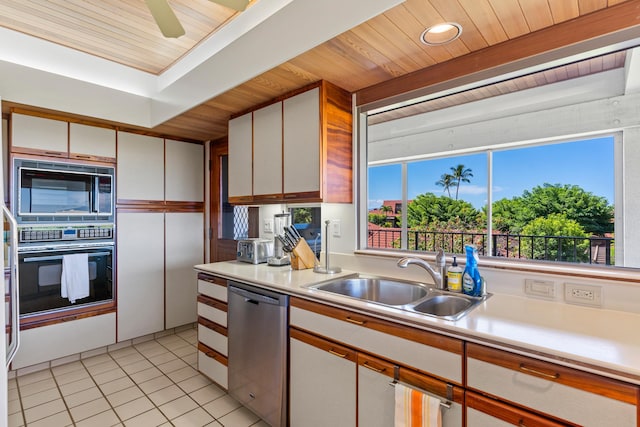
x=302 y=144
x=184 y=171
x=241 y=158
x=140 y=171
x=39 y=135
x=92 y=143
x=184 y=240
x=267 y=153
x=322 y=385
x=140 y=274
x=551 y=390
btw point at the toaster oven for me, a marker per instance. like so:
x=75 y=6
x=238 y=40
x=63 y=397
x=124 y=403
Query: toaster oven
x=254 y=251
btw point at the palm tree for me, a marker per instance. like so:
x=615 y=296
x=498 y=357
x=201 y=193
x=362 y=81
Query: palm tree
x=385 y=209
x=446 y=181
x=460 y=174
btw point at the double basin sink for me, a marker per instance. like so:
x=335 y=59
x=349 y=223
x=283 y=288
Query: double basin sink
x=406 y=295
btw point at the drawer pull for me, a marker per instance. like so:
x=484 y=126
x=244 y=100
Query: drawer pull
x=553 y=376
x=373 y=368
x=355 y=321
x=335 y=353
x=521 y=423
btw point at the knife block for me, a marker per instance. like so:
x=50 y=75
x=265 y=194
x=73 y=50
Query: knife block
x=302 y=257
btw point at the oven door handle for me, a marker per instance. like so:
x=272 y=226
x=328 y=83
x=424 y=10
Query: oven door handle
x=59 y=257
x=14 y=342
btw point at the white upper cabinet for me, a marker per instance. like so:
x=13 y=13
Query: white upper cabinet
x=91 y=142
x=140 y=171
x=39 y=135
x=184 y=172
x=267 y=151
x=57 y=138
x=296 y=150
x=301 y=142
x=241 y=157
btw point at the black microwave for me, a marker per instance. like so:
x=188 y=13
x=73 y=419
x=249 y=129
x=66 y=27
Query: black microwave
x=62 y=192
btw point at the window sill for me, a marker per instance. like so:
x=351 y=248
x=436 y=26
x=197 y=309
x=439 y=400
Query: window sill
x=617 y=274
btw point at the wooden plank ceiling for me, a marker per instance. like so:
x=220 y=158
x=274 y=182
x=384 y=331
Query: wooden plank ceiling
x=378 y=50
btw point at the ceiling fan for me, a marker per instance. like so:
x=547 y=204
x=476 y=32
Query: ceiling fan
x=168 y=22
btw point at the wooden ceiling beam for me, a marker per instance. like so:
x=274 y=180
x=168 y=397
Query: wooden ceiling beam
x=596 y=30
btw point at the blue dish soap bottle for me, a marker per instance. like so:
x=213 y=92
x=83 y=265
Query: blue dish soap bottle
x=471 y=280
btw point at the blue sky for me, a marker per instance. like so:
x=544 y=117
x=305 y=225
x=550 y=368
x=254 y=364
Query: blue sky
x=588 y=164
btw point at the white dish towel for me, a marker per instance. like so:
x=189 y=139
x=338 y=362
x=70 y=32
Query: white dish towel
x=416 y=409
x=74 y=283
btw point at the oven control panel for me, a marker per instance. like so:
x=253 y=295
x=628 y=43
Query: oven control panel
x=33 y=234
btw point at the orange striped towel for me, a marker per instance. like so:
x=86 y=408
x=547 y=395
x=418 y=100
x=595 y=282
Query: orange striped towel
x=416 y=409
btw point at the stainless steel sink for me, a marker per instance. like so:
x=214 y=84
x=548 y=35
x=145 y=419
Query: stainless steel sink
x=383 y=291
x=446 y=305
x=406 y=295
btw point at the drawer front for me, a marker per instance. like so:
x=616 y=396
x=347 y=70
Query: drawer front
x=214 y=288
x=551 y=389
x=486 y=412
x=215 y=313
x=213 y=366
x=441 y=363
x=213 y=339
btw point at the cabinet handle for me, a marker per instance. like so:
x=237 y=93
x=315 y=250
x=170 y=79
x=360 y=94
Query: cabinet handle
x=521 y=423
x=335 y=353
x=373 y=368
x=355 y=321
x=553 y=376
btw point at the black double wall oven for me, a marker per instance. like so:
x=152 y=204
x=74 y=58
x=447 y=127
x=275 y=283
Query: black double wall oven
x=66 y=235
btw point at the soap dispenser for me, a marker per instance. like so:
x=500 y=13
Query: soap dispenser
x=454 y=276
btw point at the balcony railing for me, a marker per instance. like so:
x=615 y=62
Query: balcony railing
x=592 y=250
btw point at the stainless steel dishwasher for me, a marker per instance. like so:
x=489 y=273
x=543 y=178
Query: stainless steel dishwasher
x=257 y=332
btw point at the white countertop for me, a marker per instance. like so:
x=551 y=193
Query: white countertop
x=602 y=341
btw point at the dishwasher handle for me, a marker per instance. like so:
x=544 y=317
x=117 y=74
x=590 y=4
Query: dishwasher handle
x=254 y=298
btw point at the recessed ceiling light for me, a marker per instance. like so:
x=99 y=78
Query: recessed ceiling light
x=441 y=34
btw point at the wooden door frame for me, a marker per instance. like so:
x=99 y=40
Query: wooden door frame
x=219 y=249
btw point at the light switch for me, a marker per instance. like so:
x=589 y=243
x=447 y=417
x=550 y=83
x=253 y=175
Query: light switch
x=268 y=225
x=336 y=230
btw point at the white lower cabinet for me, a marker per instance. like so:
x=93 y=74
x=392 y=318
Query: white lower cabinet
x=59 y=340
x=322 y=384
x=157 y=287
x=213 y=347
x=340 y=368
x=376 y=395
x=140 y=274
x=184 y=248
x=483 y=411
x=551 y=390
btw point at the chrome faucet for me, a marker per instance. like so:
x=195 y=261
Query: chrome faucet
x=437 y=276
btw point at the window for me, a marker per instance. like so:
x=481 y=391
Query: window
x=549 y=202
x=538 y=172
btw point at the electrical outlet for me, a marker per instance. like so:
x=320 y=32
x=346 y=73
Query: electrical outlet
x=268 y=225
x=583 y=294
x=540 y=288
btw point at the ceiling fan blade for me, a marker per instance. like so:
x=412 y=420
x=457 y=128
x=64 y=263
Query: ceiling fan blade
x=165 y=18
x=238 y=5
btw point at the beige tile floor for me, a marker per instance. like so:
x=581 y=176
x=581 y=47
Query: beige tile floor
x=153 y=383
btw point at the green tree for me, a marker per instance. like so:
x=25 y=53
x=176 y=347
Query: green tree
x=428 y=211
x=302 y=216
x=378 y=219
x=460 y=174
x=446 y=181
x=574 y=247
x=593 y=213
